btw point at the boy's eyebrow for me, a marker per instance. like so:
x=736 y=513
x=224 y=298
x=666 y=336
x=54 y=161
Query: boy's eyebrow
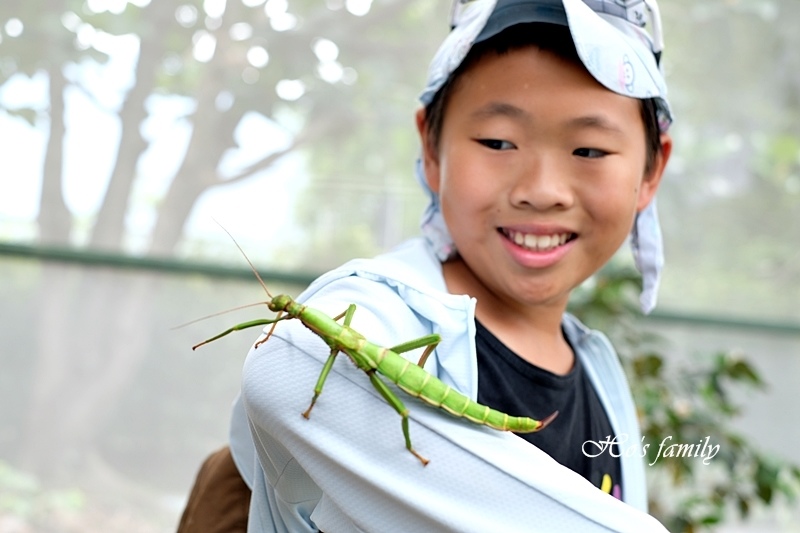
x=499 y=108
x=598 y=122
x=595 y=122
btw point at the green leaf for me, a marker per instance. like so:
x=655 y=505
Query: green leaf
x=710 y=520
x=765 y=493
x=766 y=479
x=648 y=365
x=741 y=371
x=743 y=505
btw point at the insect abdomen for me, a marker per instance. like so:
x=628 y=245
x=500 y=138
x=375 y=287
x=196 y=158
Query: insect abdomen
x=417 y=382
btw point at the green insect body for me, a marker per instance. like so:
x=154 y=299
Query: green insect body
x=374 y=359
x=416 y=382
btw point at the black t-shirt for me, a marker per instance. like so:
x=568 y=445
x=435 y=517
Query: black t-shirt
x=510 y=384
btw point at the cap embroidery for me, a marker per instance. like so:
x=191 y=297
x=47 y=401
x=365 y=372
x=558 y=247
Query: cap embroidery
x=627 y=73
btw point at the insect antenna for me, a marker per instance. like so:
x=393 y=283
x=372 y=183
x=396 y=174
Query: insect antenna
x=260 y=281
x=252 y=267
x=212 y=315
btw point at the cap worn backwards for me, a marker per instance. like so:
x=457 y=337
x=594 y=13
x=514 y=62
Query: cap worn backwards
x=615 y=48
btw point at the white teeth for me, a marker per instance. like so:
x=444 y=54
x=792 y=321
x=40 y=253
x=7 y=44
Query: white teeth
x=531 y=241
x=538 y=242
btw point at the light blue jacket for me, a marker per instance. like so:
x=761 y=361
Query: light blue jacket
x=346 y=468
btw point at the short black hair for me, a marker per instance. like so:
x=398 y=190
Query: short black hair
x=548 y=37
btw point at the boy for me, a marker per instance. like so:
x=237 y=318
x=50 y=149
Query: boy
x=543 y=144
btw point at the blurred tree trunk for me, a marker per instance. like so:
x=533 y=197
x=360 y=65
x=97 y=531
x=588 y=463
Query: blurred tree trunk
x=55 y=219
x=52 y=370
x=109 y=228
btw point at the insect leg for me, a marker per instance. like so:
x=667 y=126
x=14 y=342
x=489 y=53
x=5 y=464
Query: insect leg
x=269 y=333
x=398 y=405
x=428 y=340
x=348 y=316
x=245 y=325
x=321 y=380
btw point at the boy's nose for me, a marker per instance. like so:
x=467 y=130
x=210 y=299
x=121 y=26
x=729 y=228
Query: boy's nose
x=541 y=185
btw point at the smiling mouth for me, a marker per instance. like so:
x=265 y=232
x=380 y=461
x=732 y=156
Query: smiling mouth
x=538 y=243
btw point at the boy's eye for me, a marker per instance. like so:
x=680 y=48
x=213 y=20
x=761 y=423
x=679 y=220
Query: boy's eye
x=591 y=153
x=496 y=144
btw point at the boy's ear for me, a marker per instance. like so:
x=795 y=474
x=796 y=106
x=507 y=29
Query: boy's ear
x=430 y=156
x=652 y=180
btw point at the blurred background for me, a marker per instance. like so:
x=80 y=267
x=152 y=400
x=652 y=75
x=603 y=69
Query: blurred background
x=128 y=127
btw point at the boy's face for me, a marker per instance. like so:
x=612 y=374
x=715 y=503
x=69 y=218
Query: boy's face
x=540 y=172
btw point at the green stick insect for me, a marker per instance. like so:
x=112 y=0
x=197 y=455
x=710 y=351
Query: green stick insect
x=374 y=359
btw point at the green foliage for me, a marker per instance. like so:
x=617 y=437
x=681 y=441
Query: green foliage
x=691 y=403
